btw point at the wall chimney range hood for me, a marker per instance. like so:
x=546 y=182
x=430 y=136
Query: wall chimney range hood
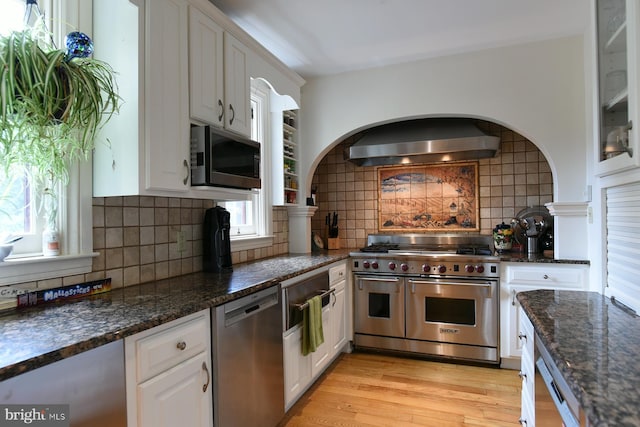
x=422 y=141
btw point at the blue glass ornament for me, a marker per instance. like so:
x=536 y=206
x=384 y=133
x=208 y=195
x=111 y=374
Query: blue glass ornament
x=79 y=45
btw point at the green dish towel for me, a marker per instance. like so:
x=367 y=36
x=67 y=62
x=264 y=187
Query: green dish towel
x=312 y=334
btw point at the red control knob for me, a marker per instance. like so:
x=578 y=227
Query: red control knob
x=374 y=264
x=442 y=269
x=392 y=265
x=469 y=268
x=426 y=268
x=366 y=264
x=404 y=267
x=480 y=268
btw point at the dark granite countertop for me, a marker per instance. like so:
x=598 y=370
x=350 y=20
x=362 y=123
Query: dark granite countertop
x=537 y=258
x=595 y=344
x=34 y=337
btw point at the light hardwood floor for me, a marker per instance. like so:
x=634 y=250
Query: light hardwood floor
x=367 y=389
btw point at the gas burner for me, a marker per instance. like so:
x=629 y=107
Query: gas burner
x=380 y=247
x=475 y=250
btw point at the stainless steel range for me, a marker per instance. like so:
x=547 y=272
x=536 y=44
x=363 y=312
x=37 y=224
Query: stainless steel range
x=429 y=295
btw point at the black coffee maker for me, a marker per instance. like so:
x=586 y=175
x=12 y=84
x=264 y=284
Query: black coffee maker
x=216 y=254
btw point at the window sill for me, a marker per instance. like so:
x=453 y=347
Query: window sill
x=29 y=269
x=250 y=242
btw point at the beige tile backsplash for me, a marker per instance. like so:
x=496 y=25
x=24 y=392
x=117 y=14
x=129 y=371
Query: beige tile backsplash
x=517 y=178
x=136 y=240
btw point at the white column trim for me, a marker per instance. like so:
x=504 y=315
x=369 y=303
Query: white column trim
x=568 y=208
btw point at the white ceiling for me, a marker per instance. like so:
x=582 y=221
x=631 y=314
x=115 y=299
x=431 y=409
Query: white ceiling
x=323 y=37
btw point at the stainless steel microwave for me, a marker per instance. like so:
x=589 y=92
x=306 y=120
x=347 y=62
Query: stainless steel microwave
x=223 y=159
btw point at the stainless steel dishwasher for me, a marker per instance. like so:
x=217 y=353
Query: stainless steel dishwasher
x=248 y=368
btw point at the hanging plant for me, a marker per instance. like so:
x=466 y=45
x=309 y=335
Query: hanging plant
x=52 y=103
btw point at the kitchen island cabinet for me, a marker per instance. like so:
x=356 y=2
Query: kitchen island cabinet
x=524 y=276
x=593 y=342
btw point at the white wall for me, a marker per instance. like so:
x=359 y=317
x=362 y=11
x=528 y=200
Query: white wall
x=535 y=89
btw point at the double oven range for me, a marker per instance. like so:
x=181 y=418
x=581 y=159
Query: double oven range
x=428 y=295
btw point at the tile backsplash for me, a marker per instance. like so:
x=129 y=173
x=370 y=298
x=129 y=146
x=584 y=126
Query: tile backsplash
x=518 y=177
x=136 y=239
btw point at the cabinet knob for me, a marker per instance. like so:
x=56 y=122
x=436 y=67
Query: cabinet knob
x=522 y=336
x=181 y=345
x=522 y=376
x=522 y=421
x=545 y=277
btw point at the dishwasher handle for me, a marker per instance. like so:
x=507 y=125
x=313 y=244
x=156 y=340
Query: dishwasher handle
x=250 y=306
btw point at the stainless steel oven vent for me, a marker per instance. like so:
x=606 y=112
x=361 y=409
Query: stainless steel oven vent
x=422 y=141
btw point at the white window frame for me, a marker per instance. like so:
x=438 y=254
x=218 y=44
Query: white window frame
x=262 y=209
x=75 y=213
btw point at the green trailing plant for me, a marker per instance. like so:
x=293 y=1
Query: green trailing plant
x=51 y=107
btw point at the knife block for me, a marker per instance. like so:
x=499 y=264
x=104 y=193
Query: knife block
x=333 y=243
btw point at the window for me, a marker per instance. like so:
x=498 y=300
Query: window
x=251 y=218
x=18 y=202
x=16 y=196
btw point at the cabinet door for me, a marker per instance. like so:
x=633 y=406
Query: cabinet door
x=321 y=357
x=237 y=87
x=338 y=318
x=297 y=368
x=180 y=396
x=206 y=78
x=166 y=92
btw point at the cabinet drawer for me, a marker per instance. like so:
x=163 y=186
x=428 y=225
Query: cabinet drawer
x=171 y=345
x=525 y=334
x=548 y=276
x=527 y=373
x=337 y=273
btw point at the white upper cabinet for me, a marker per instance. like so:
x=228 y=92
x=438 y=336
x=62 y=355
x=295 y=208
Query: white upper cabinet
x=220 y=84
x=237 y=87
x=166 y=92
x=144 y=149
x=616 y=41
x=206 y=71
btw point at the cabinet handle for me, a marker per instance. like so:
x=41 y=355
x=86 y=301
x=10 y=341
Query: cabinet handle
x=233 y=114
x=545 y=277
x=513 y=297
x=206 y=370
x=522 y=336
x=522 y=376
x=186 y=167
x=522 y=421
x=221 y=106
x=181 y=345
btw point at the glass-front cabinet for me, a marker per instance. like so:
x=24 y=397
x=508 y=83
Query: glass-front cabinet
x=617 y=68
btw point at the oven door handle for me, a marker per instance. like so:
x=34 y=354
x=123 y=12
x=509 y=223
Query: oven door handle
x=486 y=285
x=376 y=279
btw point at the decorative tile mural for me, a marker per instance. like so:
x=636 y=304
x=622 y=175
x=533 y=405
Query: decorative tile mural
x=429 y=198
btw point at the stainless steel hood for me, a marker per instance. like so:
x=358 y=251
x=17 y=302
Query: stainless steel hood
x=422 y=141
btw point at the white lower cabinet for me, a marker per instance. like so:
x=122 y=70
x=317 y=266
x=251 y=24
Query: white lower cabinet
x=168 y=374
x=519 y=277
x=177 y=396
x=322 y=356
x=527 y=371
x=300 y=371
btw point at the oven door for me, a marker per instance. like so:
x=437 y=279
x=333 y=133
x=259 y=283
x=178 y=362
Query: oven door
x=379 y=306
x=453 y=311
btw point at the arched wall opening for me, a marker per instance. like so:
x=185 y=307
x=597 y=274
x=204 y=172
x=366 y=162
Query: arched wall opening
x=520 y=176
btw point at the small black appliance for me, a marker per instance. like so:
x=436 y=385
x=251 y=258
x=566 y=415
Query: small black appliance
x=216 y=254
